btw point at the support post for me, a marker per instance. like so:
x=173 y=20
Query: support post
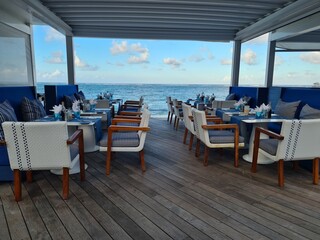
x=236 y=63
x=270 y=63
x=70 y=60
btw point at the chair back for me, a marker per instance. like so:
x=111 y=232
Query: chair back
x=301 y=140
x=102 y=103
x=199 y=119
x=176 y=106
x=187 y=112
x=169 y=104
x=145 y=117
x=37 y=145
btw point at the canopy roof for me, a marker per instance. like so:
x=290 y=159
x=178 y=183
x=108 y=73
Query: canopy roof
x=204 y=20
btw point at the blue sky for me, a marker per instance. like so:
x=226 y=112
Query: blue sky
x=100 y=60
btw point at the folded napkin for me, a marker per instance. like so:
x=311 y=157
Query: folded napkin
x=92 y=102
x=57 y=109
x=263 y=108
x=76 y=106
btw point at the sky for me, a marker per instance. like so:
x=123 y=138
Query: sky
x=99 y=60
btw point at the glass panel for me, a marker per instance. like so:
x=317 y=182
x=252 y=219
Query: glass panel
x=15 y=60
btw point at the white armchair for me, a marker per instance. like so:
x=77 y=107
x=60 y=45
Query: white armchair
x=42 y=146
x=187 y=115
x=177 y=112
x=126 y=138
x=170 y=108
x=298 y=140
x=216 y=136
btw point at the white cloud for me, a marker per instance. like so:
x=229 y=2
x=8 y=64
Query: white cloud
x=56 y=58
x=249 y=57
x=263 y=39
x=208 y=52
x=278 y=60
x=53 y=35
x=226 y=62
x=310 y=57
x=142 y=58
x=196 y=58
x=137 y=53
x=118 y=48
x=83 y=65
x=49 y=75
x=172 y=61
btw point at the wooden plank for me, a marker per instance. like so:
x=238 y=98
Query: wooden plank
x=52 y=222
x=4 y=230
x=89 y=223
x=13 y=214
x=68 y=219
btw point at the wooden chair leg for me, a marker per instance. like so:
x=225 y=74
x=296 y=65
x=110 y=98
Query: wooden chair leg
x=65 y=183
x=174 y=122
x=29 y=176
x=168 y=116
x=171 y=118
x=206 y=153
x=177 y=124
x=185 y=136
x=191 y=142
x=315 y=172
x=197 y=148
x=255 y=152
x=236 y=155
x=281 y=173
x=17 y=184
x=143 y=166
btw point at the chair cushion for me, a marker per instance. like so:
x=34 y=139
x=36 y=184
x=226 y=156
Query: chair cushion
x=32 y=109
x=223 y=136
x=121 y=139
x=231 y=96
x=269 y=145
x=68 y=100
x=286 y=109
x=308 y=112
x=80 y=96
x=128 y=124
x=74 y=151
x=6 y=114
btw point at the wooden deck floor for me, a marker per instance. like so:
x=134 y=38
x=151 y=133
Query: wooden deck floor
x=176 y=198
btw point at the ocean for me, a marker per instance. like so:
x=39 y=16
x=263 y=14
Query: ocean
x=154 y=94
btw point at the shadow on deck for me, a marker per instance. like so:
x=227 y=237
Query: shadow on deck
x=176 y=198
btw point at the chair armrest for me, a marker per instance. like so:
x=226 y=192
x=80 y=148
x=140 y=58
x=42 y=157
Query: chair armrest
x=132 y=102
x=269 y=133
x=3 y=143
x=125 y=120
x=126 y=117
x=220 y=126
x=130 y=113
x=131 y=105
x=113 y=128
x=75 y=136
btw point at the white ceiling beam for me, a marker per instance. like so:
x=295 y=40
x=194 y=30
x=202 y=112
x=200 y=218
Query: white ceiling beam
x=293 y=12
x=48 y=17
x=308 y=24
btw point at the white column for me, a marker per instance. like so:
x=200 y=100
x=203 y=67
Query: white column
x=70 y=60
x=270 y=63
x=236 y=63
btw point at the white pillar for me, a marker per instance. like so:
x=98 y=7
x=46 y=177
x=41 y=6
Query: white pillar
x=270 y=63
x=70 y=60
x=236 y=63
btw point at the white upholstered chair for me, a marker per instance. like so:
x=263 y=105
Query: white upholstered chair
x=187 y=115
x=170 y=108
x=43 y=146
x=216 y=136
x=298 y=140
x=126 y=138
x=178 y=114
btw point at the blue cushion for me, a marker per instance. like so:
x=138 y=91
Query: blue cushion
x=121 y=139
x=286 y=109
x=308 y=112
x=68 y=100
x=32 y=109
x=231 y=96
x=220 y=137
x=269 y=145
x=6 y=114
x=80 y=96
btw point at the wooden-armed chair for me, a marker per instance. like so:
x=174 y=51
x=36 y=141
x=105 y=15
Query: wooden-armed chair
x=43 y=146
x=126 y=138
x=170 y=108
x=216 y=136
x=178 y=114
x=187 y=119
x=132 y=105
x=298 y=140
